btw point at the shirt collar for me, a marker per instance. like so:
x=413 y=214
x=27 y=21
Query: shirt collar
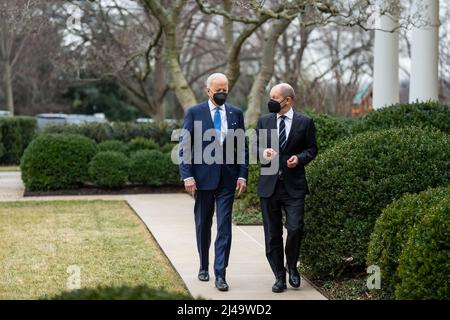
x=289 y=115
x=212 y=106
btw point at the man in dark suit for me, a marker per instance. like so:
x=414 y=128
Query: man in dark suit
x=213 y=177
x=291 y=141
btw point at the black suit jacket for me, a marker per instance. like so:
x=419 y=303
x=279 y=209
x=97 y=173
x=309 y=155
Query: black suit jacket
x=300 y=142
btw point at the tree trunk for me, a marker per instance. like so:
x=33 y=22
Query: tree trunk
x=255 y=97
x=7 y=81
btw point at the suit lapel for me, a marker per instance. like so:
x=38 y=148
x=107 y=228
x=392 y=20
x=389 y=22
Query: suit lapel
x=207 y=116
x=295 y=123
x=229 y=114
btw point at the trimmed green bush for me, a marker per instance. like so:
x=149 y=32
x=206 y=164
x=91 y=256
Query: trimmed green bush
x=153 y=168
x=124 y=131
x=247 y=209
x=351 y=183
x=56 y=161
x=423 y=114
x=329 y=129
x=113 y=145
x=424 y=265
x=142 y=292
x=16 y=134
x=392 y=230
x=141 y=143
x=109 y=169
x=167 y=148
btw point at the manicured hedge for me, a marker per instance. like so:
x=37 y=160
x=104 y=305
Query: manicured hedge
x=392 y=231
x=124 y=131
x=141 y=143
x=15 y=135
x=423 y=114
x=109 y=169
x=424 y=265
x=329 y=129
x=153 y=168
x=56 y=161
x=351 y=183
x=120 y=293
x=113 y=145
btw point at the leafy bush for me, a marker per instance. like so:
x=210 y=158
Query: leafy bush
x=153 y=168
x=56 y=161
x=351 y=183
x=124 y=131
x=424 y=266
x=329 y=129
x=113 y=145
x=141 y=292
x=423 y=114
x=247 y=209
x=392 y=231
x=109 y=169
x=141 y=143
x=167 y=148
x=16 y=135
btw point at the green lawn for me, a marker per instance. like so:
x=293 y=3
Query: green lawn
x=9 y=168
x=105 y=239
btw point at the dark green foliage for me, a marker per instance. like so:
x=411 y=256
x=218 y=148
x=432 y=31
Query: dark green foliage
x=109 y=169
x=329 y=129
x=16 y=134
x=354 y=180
x=113 y=145
x=153 y=168
x=392 y=231
x=167 y=148
x=141 y=143
x=160 y=132
x=423 y=114
x=56 y=161
x=424 y=265
x=142 y=292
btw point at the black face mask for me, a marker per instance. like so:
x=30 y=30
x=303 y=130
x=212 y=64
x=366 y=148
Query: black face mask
x=220 y=98
x=274 y=106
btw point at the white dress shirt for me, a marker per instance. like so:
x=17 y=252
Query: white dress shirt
x=287 y=121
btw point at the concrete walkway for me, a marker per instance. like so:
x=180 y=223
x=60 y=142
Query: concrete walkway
x=170 y=219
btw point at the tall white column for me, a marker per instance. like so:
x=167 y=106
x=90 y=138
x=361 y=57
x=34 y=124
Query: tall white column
x=386 y=65
x=424 y=83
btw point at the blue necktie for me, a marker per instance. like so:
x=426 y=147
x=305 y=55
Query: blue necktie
x=282 y=135
x=217 y=123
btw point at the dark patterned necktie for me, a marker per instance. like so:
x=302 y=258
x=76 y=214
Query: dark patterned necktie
x=282 y=135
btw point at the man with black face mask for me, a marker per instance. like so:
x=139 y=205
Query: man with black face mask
x=213 y=183
x=291 y=141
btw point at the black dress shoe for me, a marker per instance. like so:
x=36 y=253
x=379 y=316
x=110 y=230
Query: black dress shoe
x=203 y=275
x=280 y=285
x=294 y=278
x=221 y=284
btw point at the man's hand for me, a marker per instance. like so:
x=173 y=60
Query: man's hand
x=292 y=162
x=240 y=185
x=269 y=154
x=190 y=186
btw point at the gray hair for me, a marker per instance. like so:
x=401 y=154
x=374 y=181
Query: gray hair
x=215 y=76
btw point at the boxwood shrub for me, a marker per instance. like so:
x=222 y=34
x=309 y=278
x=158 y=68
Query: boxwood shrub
x=113 y=145
x=141 y=143
x=57 y=161
x=109 y=169
x=351 y=183
x=421 y=114
x=153 y=168
x=16 y=134
x=424 y=265
x=392 y=230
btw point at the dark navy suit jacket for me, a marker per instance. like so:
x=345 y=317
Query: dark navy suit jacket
x=208 y=176
x=300 y=142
